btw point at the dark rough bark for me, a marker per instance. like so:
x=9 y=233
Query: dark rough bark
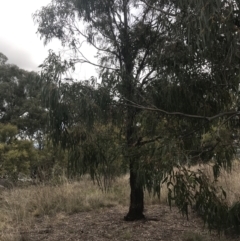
x=136 y=198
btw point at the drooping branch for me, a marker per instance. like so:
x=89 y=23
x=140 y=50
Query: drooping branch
x=200 y=117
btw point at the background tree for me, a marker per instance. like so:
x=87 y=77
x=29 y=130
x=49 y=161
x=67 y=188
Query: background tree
x=16 y=156
x=20 y=102
x=21 y=111
x=84 y=105
x=172 y=58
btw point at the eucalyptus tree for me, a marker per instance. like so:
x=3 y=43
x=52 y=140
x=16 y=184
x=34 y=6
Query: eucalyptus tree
x=202 y=63
x=117 y=29
x=161 y=56
x=21 y=108
x=20 y=102
x=16 y=156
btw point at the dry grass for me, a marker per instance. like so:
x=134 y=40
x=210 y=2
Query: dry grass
x=21 y=207
x=228 y=180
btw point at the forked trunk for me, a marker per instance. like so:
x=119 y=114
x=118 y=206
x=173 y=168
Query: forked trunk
x=136 y=197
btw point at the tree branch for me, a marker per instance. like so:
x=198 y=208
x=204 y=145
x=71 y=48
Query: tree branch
x=145 y=79
x=141 y=143
x=97 y=65
x=211 y=118
x=94 y=45
x=160 y=10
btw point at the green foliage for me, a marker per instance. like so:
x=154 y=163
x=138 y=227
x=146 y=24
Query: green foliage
x=7 y=133
x=99 y=155
x=50 y=164
x=23 y=117
x=20 y=157
x=20 y=102
x=178 y=59
x=15 y=155
x=193 y=188
x=17 y=159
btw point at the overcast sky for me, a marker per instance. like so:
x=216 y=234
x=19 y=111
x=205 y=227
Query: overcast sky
x=18 y=38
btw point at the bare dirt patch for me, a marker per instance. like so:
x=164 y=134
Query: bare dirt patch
x=107 y=224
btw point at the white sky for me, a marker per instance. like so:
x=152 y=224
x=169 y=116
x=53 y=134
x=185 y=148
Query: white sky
x=19 y=41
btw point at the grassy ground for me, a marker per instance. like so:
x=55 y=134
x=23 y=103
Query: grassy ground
x=24 y=210
x=21 y=206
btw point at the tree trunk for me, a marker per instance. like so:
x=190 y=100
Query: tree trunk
x=136 y=197
x=129 y=87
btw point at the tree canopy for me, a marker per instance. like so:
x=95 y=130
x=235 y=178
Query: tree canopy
x=23 y=127
x=169 y=73
x=20 y=102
